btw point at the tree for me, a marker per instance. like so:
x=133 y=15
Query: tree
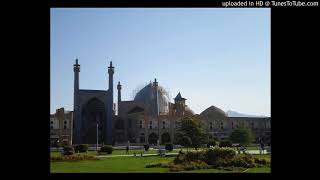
x=189 y=133
x=242 y=135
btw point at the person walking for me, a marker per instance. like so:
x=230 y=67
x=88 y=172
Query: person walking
x=127 y=149
x=262 y=147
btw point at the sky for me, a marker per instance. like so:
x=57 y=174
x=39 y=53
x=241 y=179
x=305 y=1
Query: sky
x=212 y=56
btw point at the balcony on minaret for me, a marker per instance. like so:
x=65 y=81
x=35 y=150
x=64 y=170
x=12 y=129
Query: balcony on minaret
x=76 y=67
x=119 y=86
x=110 y=68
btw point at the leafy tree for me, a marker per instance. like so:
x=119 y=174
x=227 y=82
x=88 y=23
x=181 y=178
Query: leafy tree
x=242 y=135
x=189 y=133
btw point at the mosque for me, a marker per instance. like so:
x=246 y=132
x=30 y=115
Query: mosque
x=149 y=117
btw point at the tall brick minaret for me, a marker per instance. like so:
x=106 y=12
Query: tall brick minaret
x=76 y=117
x=119 y=96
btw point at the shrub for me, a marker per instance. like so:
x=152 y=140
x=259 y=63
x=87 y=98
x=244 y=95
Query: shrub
x=246 y=161
x=146 y=147
x=107 y=148
x=248 y=158
x=186 y=141
x=68 y=150
x=176 y=167
x=225 y=144
x=260 y=161
x=211 y=143
x=169 y=147
x=179 y=159
x=219 y=156
x=239 y=162
x=188 y=165
x=153 y=165
x=81 y=148
x=194 y=156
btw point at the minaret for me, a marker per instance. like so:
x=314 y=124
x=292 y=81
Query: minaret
x=180 y=103
x=119 y=96
x=76 y=117
x=110 y=105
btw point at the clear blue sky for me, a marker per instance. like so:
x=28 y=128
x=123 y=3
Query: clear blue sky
x=217 y=57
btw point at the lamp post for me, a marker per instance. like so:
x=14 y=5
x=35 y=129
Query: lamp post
x=97 y=136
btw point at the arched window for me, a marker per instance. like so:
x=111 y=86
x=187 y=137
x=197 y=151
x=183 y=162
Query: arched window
x=140 y=124
x=150 y=125
x=65 y=124
x=163 y=124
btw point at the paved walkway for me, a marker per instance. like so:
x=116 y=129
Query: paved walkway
x=144 y=155
x=132 y=155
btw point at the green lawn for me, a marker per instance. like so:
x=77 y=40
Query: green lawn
x=130 y=165
x=115 y=164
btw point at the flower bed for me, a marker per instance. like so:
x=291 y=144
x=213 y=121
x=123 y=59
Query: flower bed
x=72 y=158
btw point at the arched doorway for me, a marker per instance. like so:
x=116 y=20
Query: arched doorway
x=152 y=138
x=165 y=138
x=142 y=138
x=93 y=113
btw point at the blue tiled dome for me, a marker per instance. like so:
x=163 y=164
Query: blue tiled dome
x=147 y=96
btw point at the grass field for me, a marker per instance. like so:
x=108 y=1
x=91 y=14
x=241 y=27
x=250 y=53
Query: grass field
x=123 y=152
x=138 y=151
x=131 y=165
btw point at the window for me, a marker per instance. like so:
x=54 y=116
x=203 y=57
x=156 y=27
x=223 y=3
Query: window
x=252 y=125
x=150 y=126
x=51 y=127
x=64 y=127
x=51 y=122
x=163 y=124
x=221 y=125
x=65 y=122
x=210 y=125
x=140 y=124
x=232 y=125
